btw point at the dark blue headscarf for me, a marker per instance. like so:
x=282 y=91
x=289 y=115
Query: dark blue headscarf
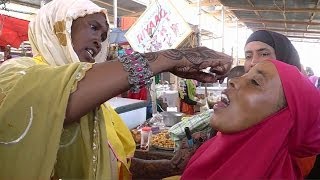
x=282 y=46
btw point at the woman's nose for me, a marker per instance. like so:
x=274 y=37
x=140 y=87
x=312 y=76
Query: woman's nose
x=255 y=59
x=97 y=45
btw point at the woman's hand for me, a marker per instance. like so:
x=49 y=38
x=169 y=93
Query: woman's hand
x=184 y=154
x=190 y=63
x=158 y=169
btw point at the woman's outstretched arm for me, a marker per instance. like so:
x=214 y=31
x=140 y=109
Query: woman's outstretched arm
x=108 y=79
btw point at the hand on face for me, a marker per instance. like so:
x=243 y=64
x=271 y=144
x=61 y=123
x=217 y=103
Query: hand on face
x=190 y=63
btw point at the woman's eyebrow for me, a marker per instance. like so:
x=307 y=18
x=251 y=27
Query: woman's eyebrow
x=100 y=24
x=96 y=22
x=263 y=49
x=258 y=50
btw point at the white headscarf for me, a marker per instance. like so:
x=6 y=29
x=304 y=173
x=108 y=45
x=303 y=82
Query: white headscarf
x=50 y=31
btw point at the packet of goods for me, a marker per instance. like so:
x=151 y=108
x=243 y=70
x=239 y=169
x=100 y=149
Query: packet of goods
x=196 y=123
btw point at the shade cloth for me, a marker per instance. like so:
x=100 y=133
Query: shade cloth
x=13 y=31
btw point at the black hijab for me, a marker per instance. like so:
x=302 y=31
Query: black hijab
x=282 y=46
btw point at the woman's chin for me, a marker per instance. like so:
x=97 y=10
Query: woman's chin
x=215 y=124
x=219 y=124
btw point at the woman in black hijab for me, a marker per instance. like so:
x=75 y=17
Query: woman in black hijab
x=262 y=45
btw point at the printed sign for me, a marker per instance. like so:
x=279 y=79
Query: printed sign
x=159 y=27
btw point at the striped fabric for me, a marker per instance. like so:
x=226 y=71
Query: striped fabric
x=196 y=123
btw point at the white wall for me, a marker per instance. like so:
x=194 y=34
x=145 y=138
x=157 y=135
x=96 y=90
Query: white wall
x=230 y=41
x=309 y=55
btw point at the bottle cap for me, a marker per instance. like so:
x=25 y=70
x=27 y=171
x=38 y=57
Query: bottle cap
x=146 y=129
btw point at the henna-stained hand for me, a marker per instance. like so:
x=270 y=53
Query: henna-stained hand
x=158 y=169
x=189 y=63
x=183 y=155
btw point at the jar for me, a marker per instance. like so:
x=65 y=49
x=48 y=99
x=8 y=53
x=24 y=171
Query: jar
x=145 y=138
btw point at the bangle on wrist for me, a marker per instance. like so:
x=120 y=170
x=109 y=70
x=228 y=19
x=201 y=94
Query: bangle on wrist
x=139 y=71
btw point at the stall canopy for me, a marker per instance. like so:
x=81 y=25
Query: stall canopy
x=13 y=31
x=117 y=36
x=298 y=19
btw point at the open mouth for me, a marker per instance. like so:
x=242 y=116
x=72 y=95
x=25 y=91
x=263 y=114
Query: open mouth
x=225 y=99
x=91 y=52
x=225 y=102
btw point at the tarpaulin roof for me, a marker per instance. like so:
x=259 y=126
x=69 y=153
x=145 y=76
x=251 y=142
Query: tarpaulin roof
x=293 y=18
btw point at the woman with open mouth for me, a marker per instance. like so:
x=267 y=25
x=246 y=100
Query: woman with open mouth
x=265 y=121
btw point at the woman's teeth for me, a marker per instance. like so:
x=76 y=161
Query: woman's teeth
x=225 y=99
x=90 y=51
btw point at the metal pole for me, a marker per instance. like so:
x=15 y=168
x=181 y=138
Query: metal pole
x=153 y=95
x=115 y=13
x=199 y=24
x=237 y=41
x=213 y=39
x=199 y=41
x=222 y=34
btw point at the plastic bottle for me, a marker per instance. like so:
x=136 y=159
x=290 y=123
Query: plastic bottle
x=145 y=138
